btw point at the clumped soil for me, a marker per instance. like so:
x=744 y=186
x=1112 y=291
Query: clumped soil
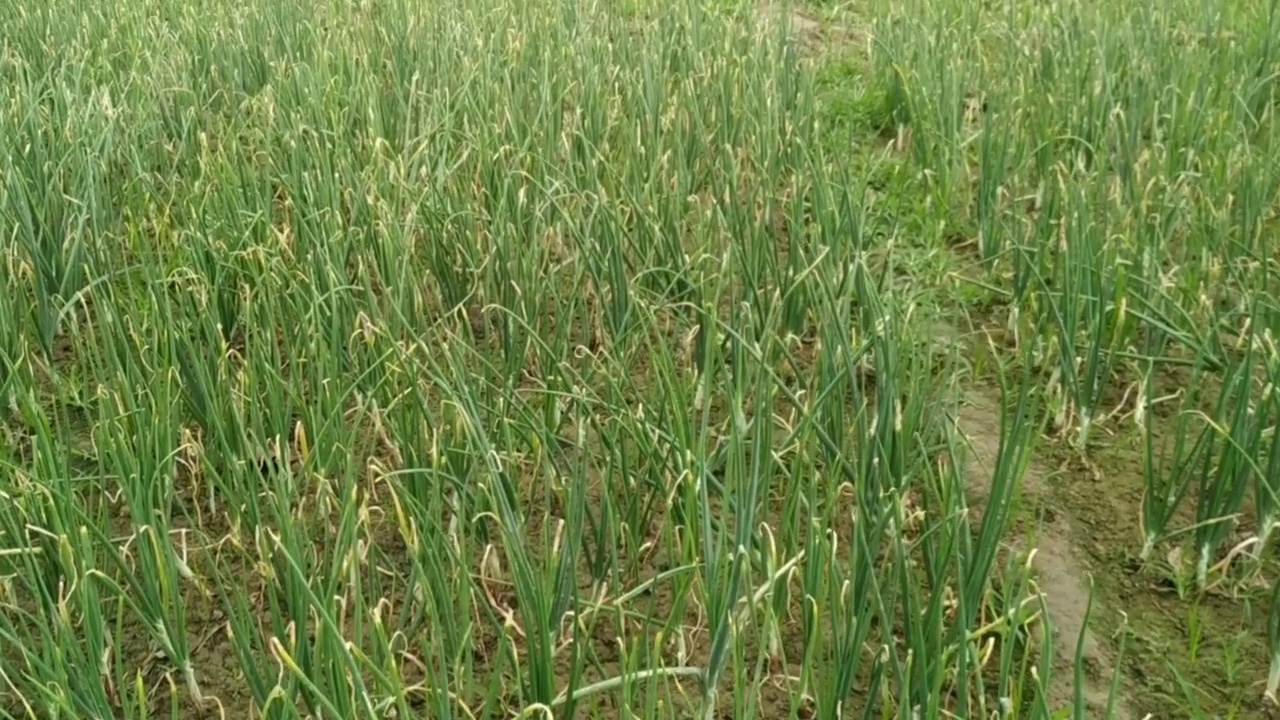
x=1208 y=646
x=1179 y=645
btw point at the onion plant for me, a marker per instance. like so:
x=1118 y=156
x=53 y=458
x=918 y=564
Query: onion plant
x=544 y=360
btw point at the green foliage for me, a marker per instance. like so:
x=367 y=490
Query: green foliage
x=373 y=359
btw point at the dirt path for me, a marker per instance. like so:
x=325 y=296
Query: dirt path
x=1060 y=572
x=810 y=34
x=1058 y=565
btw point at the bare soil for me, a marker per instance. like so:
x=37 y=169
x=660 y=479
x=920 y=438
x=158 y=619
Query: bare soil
x=1061 y=573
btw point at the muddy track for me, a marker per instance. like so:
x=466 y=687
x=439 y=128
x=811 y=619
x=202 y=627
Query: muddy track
x=1059 y=569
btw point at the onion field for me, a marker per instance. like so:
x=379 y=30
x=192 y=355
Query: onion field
x=368 y=359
